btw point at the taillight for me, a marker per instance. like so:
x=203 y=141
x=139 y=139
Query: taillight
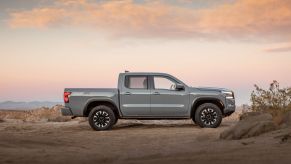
x=66 y=96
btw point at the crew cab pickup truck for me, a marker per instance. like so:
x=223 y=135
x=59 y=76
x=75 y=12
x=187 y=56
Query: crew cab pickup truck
x=149 y=96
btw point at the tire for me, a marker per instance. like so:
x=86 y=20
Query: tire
x=193 y=119
x=208 y=115
x=116 y=120
x=101 y=118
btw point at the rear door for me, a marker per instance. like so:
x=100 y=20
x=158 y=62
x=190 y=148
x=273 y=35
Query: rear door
x=135 y=96
x=166 y=101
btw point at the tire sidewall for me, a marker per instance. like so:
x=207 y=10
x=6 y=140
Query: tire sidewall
x=199 y=112
x=116 y=120
x=105 y=109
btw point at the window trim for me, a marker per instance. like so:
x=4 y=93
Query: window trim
x=126 y=81
x=163 y=76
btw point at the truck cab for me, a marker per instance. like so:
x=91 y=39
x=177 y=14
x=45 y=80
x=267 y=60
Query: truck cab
x=153 y=95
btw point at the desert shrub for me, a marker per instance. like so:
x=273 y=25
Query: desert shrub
x=41 y=114
x=51 y=114
x=274 y=100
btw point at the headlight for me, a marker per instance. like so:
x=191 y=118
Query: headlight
x=228 y=94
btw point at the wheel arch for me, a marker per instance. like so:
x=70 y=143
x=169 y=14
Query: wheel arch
x=204 y=100
x=93 y=103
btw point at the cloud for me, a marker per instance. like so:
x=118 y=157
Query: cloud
x=266 y=19
x=281 y=47
x=263 y=18
x=37 y=18
x=120 y=18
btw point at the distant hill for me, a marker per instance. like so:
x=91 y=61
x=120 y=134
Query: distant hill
x=27 y=105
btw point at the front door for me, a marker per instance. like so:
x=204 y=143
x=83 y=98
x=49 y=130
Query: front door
x=135 y=96
x=166 y=101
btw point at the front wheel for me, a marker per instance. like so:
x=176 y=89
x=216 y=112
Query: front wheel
x=116 y=120
x=208 y=115
x=101 y=118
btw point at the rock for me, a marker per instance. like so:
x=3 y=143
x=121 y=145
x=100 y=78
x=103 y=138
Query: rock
x=285 y=138
x=248 y=114
x=251 y=125
x=287 y=119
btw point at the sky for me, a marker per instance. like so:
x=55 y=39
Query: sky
x=49 y=45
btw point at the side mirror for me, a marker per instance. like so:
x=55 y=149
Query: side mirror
x=180 y=87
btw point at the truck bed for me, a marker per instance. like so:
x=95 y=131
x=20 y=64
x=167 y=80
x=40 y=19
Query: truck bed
x=80 y=97
x=91 y=90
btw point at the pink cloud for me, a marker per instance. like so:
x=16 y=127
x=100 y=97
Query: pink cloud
x=248 y=17
x=268 y=19
x=281 y=47
x=37 y=18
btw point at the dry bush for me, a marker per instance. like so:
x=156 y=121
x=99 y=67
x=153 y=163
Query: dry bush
x=275 y=100
x=45 y=114
x=12 y=115
x=42 y=114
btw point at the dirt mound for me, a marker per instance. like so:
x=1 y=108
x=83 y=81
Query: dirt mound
x=248 y=114
x=233 y=117
x=251 y=124
x=43 y=114
x=287 y=119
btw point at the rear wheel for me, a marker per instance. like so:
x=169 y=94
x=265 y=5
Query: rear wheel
x=208 y=115
x=193 y=119
x=101 y=118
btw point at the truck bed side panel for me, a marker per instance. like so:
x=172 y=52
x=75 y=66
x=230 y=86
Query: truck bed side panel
x=81 y=97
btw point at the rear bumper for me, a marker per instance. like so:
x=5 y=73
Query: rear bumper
x=66 y=111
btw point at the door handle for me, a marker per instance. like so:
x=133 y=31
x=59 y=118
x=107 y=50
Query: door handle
x=127 y=93
x=156 y=93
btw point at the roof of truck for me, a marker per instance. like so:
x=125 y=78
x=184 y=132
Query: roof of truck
x=152 y=73
x=145 y=73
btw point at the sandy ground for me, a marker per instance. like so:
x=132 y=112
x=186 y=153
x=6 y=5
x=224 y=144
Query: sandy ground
x=133 y=141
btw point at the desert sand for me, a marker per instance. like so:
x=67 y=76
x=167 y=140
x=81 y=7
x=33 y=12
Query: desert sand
x=134 y=141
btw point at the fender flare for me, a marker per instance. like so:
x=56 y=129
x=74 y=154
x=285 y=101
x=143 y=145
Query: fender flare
x=85 y=109
x=195 y=102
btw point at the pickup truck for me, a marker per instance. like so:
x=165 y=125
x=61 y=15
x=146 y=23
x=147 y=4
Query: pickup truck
x=149 y=96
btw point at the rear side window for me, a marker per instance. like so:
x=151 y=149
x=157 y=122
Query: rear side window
x=136 y=82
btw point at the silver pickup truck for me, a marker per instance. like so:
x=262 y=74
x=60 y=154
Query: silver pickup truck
x=149 y=96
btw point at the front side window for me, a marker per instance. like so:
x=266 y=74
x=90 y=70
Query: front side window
x=136 y=82
x=164 y=83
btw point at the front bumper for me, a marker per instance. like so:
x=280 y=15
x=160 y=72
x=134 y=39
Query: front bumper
x=66 y=111
x=230 y=107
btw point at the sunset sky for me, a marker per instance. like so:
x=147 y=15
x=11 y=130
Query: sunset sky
x=47 y=45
